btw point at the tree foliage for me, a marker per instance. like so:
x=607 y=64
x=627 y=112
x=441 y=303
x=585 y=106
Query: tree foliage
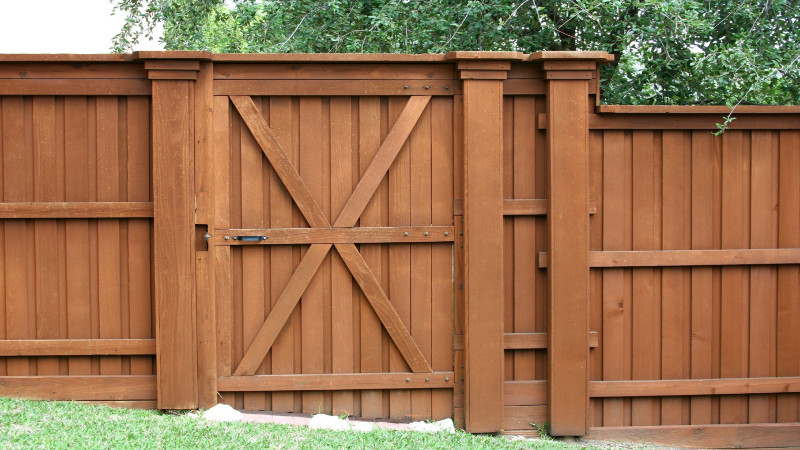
x=667 y=51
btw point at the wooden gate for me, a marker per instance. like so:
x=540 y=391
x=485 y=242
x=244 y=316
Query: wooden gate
x=306 y=181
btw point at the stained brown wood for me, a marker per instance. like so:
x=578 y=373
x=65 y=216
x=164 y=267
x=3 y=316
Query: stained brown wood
x=312 y=71
x=82 y=347
x=332 y=87
x=174 y=245
x=282 y=309
x=118 y=387
x=705 y=436
x=55 y=86
x=568 y=272
x=280 y=162
x=383 y=308
x=525 y=393
x=384 y=157
x=661 y=258
x=520 y=207
x=338 y=382
x=524 y=341
x=680 y=387
x=355 y=235
x=483 y=266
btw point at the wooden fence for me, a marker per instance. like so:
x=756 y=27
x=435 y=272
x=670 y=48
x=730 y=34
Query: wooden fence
x=399 y=236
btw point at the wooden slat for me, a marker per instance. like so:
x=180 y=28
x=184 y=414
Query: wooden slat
x=315 y=71
x=668 y=258
x=342 y=305
x=108 y=387
x=383 y=308
x=75 y=210
x=525 y=341
x=34 y=70
x=355 y=235
x=702 y=230
x=713 y=386
x=383 y=159
x=338 y=382
x=788 y=305
x=56 y=86
x=371 y=334
x=521 y=207
x=313 y=156
x=282 y=309
x=525 y=393
x=694 y=257
x=280 y=162
x=333 y=87
x=77 y=347
x=705 y=436
x=442 y=255
x=280 y=112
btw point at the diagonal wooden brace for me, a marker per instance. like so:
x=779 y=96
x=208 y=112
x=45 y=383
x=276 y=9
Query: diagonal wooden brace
x=350 y=213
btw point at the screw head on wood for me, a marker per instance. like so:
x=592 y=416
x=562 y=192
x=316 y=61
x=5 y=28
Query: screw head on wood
x=405 y=86
x=408 y=380
x=446 y=378
x=227 y=238
x=426 y=233
x=405 y=233
x=427 y=87
x=447 y=233
x=427 y=379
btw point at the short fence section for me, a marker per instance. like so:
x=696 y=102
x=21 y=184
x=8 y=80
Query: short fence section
x=399 y=236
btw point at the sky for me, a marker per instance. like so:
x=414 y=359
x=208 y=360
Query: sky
x=60 y=26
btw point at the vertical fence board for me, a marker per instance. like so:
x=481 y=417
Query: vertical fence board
x=341 y=281
x=399 y=260
x=442 y=253
x=311 y=168
x=371 y=346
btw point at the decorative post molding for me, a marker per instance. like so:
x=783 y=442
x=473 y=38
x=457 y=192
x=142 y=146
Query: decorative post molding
x=568 y=76
x=173 y=246
x=483 y=74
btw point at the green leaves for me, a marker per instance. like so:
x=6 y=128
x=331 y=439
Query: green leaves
x=668 y=51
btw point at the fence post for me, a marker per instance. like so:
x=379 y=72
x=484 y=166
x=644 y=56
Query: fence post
x=173 y=235
x=483 y=74
x=568 y=76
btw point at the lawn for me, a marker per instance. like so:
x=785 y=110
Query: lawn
x=69 y=425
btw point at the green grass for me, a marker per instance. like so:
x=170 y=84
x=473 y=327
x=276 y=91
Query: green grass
x=34 y=424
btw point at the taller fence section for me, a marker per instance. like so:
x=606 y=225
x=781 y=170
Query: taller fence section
x=76 y=311
x=410 y=237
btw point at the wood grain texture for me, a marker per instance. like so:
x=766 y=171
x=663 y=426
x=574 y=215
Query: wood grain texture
x=116 y=387
x=173 y=244
x=680 y=387
x=82 y=347
x=568 y=273
x=483 y=216
x=705 y=436
x=354 y=235
x=338 y=382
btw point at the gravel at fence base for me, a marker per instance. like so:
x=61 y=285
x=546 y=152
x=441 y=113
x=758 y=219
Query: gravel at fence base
x=302 y=419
